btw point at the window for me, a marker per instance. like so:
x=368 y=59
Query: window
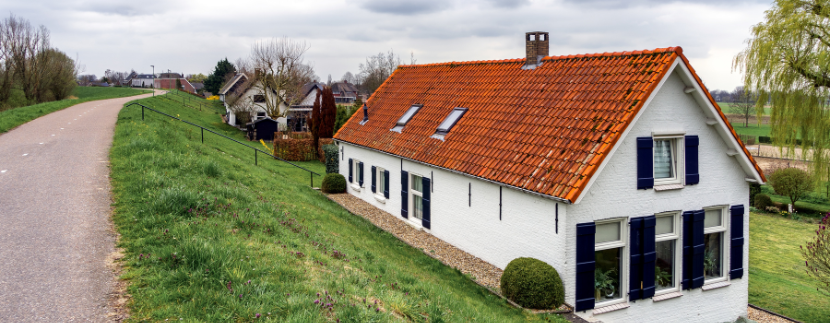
x=258 y=98
x=667 y=235
x=609 y=243
x=381 y=181
x=667 y=157
x=445 y=127
x=417 y=189
x=406 y=117
x=714 y=234
x=357 y=170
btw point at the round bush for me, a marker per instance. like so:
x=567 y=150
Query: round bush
x=532 y=283
x=333 y=183
x=762 y=201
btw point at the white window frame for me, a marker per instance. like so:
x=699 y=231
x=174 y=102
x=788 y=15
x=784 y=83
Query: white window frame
x=724 y=253
x=378 y=181
x=678 y=250
x=624 y=255
x=678 y=160
x=355 y=184
x=412 y=193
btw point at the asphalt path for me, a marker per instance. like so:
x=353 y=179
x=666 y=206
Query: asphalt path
x=55 y=217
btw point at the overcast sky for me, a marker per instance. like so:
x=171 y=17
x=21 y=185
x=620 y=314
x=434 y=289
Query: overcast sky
x=191 y=36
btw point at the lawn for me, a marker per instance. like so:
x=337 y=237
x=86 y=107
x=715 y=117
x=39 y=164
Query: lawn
x=777 y=280
x=209 y=236
x=752 y=129
x=816 y=200
x=10 y=119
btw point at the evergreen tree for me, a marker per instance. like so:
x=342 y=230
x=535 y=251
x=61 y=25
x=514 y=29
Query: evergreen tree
x=215 y=80
x=328 y=112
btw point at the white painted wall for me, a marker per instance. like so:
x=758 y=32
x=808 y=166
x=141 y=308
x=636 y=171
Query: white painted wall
x=137 y=82
x=614 y=194
x=527 y=227
x=256 y=107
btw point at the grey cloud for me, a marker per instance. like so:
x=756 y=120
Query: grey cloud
x=618 y=4
x=512 y=4
x=405 y=7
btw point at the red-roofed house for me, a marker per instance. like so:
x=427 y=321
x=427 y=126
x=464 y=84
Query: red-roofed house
x=170 y=83
x=617 y=169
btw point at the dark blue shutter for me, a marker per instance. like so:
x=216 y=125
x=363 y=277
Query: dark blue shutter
x=688 y=216
x=645 y=160
x=360 y=175
x=585 y=265
x=692 y=169
x=386 y=184
x=697 y=248
x=425 y=220
x=736 y=254
x=374 y=188
x=350 y=170
x=649 y=255
x=404 y=194
x=635 y=291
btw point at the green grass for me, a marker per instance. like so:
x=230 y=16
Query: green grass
x=10 y=119
x=777 y=280
x=725 y=108
x=753 y=129
x=248 y=224
x=816 y=200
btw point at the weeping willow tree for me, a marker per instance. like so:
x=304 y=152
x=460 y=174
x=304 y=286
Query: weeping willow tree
x=787 y=62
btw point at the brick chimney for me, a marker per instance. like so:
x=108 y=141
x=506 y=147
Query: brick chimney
x=536 y=47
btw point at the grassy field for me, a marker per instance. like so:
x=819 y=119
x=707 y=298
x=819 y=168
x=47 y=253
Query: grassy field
x=724 y=106
x=777 y=280
x=816 y=200
x=10 y=119
x=753 y=129
x=208 y=236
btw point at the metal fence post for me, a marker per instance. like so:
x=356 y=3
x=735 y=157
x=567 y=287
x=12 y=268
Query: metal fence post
x=310 y=175
x=256 y=157
x=203 y=135
x=142 y=113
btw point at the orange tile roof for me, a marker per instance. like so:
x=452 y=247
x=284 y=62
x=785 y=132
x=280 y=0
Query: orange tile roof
x=544 y=130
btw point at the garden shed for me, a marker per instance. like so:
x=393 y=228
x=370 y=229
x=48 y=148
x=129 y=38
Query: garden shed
x=263 y=129
x=617 y=169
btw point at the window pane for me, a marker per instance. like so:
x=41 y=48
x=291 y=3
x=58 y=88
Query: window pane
x=664 y=268
x=454 y=115
x=381 y=181
x=408 y=115
x=417 y=184
x=663 y=166
x=664 y=225
x=607 y=275
x=712 y=219
x=712 y=256
x=607 y=232
x=418 y=206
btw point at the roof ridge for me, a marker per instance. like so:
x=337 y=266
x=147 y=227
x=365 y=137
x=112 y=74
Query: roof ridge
x=676 y=49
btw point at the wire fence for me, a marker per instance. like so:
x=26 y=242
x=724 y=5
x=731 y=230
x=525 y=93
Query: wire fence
x=256 y=150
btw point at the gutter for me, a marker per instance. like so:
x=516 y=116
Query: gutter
x=557 y=199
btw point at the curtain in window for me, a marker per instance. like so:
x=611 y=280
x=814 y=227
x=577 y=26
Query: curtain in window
x=663 y=159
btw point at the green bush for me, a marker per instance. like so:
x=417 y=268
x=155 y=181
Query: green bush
x=333 y=183
x=332 y=159
x=762 y=201
x=532 y=283
x=815 y=211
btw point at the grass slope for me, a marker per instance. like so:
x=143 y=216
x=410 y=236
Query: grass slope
x=208 y=236
x=777 y=280
x=10 y=119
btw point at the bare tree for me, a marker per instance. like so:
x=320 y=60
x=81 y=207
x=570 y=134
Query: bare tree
x=25 y=54
x=349 y=77
x=115 y=77
x=280 y=72
x=241 y=106
x=377 y=69
x=743 y=103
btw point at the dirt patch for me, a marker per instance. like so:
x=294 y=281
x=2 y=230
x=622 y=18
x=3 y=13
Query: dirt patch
x=72 y=97
x=118 y=297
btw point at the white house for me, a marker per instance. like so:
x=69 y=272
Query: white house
x=142 y=80
x=250 y=94
x=618 y=169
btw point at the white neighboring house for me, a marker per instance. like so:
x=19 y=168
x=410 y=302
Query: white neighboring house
x=249 y=92
x=142 y=80
x=614 y=168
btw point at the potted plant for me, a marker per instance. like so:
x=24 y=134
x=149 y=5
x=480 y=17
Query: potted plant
x=662 y=277
x=709 y=263
x=604 y=282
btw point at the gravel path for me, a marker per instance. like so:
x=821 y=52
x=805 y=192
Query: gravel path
x=55 y=216
x=764 y=317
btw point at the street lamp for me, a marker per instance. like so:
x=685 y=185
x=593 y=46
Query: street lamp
x=154 y=80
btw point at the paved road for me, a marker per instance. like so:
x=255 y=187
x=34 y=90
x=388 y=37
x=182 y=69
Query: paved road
x=55 y=228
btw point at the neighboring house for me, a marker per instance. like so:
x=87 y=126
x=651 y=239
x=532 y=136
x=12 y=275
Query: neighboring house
x=142 y=80
x=617 y=169
x=301 y=112
x=198 y=86
x=170 y=83
x=344 y=92
x=250 y=92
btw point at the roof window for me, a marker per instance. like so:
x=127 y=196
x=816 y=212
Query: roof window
x=406 y=117
x=445 y=127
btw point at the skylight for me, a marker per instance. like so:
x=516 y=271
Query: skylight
x=445 y=127
x=406 y=117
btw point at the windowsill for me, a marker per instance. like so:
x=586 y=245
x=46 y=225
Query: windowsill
x=380 y=199
x=666 y=296
x=666 y=187
x=716 y=285
x=611 y=308
x=355 y=187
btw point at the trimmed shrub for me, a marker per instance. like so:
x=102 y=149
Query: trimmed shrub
x=762 y=201
x=332 y=158
x=810 y=210
x=792 y=182
x=532 y=283
x=333 y=183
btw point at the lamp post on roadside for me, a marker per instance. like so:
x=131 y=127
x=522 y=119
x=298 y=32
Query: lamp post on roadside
x=153 y=86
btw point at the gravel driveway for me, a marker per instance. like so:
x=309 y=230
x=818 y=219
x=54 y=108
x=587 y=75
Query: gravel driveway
x=55 y=228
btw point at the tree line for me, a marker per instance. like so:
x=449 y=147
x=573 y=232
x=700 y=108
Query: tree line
x=31 y=70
